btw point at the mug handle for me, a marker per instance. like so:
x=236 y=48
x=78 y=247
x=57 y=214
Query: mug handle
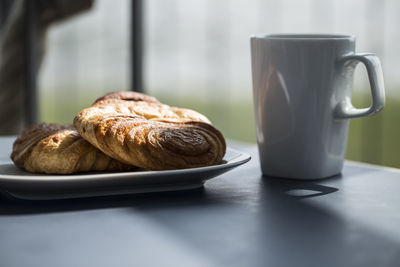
x=345 y=109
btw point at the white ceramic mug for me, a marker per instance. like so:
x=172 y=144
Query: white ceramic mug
x=302 y=87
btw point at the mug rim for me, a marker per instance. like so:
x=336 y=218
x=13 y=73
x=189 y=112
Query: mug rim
x=304 y=36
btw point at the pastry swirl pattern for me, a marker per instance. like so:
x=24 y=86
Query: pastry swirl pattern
x=151 y=135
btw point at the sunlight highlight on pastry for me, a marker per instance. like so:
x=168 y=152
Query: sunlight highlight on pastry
x=151 y=135
x=59 y=149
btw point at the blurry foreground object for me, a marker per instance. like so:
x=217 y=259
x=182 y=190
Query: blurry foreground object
x=13 y=54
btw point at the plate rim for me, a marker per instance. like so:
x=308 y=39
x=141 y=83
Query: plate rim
x=240 y=159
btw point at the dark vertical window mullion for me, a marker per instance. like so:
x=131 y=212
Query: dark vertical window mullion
x=137 y=46
x=31 y=31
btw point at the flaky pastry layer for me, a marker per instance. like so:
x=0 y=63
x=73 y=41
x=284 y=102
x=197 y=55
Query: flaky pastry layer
x=58 y=149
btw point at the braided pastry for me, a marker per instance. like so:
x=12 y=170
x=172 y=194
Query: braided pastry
x=149 y=134
x=53 y=148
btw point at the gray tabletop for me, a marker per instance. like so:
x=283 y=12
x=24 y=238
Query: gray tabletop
x=237 y=219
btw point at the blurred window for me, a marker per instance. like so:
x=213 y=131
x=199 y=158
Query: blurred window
x=197 y=55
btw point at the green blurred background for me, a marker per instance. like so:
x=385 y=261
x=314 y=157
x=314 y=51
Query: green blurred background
x=197 y=55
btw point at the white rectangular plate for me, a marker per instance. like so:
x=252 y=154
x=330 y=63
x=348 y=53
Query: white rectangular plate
x=24 y=185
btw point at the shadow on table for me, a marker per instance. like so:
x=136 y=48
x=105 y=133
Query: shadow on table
x=222 y=191
x=283 y=223
x=225 y=194
x=264 y=221
x=10 y=205
x=298 y=189
x=301 y=226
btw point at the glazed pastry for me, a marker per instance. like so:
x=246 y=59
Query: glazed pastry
x=58 y=149
x=151 y=135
